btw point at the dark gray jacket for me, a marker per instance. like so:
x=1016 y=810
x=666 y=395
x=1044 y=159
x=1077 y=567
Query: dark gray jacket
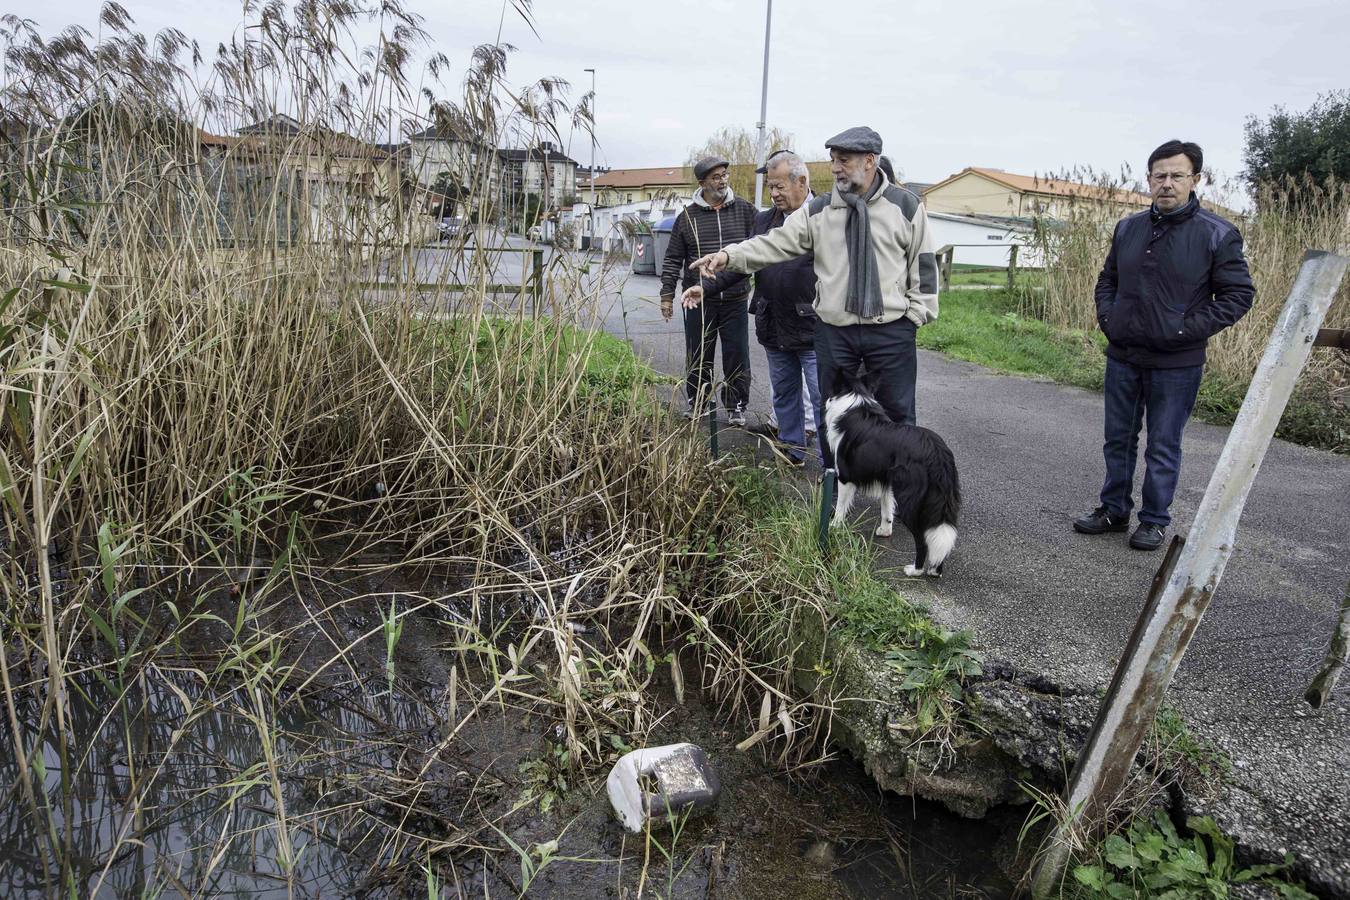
x=700 y=230
x=1171 y=281
x=785 y=293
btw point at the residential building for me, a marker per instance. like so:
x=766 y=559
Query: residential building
x=985 y=240
x=344 y=186
x=543 y=170
x=993 y=192
x=622 y=186
x=454 y=168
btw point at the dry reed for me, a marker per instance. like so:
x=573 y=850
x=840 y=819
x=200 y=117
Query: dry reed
x=219 y=432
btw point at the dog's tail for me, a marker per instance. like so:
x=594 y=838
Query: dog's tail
x=940 y=540
x=942 y=507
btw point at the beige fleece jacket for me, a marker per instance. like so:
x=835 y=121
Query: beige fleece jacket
x=901 y=240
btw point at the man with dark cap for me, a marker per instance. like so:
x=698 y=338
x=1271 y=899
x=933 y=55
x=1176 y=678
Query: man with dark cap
x=715 y=218
x=876 y=273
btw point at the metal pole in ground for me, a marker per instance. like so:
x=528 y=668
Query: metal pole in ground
x=1334 y=661
x=712 y=429
x=827 y=485
x=1165 y=629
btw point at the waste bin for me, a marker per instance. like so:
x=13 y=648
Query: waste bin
x=644 y=254
x=662 y=230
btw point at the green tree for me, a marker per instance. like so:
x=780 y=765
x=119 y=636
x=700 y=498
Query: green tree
x=1313 y=144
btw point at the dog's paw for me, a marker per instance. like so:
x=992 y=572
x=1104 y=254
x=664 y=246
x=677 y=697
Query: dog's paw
x=912 y=571
x=838 y=522
x=883 y=530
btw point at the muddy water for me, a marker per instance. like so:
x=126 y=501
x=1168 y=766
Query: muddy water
x=178 y=778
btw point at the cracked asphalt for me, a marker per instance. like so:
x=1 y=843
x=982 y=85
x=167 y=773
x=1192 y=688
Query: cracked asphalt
x=1049 y=600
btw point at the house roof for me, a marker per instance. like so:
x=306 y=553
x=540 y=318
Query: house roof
x=553 y=154
x=660 y=176
x=1022 y=224
x=277 y=123
x=256 y=138
x=1049 y=185
x=438 y=132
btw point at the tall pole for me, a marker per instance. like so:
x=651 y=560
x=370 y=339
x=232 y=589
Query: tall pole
x=592 y=208
x=763 y=106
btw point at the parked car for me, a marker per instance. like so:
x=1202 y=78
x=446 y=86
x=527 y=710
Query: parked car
x=449 y=227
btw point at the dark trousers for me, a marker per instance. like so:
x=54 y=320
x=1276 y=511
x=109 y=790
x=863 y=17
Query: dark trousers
x=703 y=324
x=1163 y=397
x=889 y=356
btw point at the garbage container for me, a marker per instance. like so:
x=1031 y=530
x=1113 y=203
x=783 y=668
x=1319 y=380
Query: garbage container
x=644 y=254
x=662 y=230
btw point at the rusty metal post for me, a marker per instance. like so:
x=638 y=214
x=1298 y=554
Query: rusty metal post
x=1334 y=661
x=1144 y=673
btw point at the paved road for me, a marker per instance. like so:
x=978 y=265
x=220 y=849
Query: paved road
x=1049 y=600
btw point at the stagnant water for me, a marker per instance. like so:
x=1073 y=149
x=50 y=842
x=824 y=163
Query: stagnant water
x=177 y=797
x=303 y=769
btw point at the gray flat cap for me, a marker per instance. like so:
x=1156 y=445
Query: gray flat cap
x=707 y=164
x=855 y=140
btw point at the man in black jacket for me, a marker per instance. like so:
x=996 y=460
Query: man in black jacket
x=715 y=218
x=784 y=316
x=1174 y=277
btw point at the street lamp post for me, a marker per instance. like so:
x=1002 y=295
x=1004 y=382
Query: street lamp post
x=763 y=107
x=591 y=214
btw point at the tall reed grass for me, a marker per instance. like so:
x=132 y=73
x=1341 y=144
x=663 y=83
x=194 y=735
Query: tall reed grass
x=238 y=391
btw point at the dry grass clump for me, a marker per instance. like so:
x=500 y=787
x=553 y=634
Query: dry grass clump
x=236 y=478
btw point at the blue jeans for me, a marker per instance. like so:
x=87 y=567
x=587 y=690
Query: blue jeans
x=786 y=369
x=1165 y=397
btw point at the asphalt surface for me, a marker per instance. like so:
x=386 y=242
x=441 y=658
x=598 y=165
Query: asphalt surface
x=1062 y=604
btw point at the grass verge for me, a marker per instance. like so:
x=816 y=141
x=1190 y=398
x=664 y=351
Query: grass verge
x=985 y=327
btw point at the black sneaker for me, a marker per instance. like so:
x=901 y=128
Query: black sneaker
x=1148 y=536
x=1099 y=521
x=764 y=430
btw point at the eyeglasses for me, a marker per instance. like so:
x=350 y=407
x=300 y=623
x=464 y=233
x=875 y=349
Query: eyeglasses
x=1164 y=177
x=723 y=175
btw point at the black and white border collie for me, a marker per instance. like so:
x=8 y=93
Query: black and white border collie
x=909 y=469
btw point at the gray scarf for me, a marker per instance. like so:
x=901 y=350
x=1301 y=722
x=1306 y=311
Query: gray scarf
x=864 y=289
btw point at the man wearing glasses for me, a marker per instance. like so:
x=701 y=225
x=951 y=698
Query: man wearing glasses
x=1174 y=277
x=715 y=218
x=785 y=317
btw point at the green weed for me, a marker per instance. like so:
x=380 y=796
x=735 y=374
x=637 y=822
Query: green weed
x=1172 y=736
x=1152 y=860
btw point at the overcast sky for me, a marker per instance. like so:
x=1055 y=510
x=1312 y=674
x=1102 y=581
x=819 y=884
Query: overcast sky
x=1027 y=87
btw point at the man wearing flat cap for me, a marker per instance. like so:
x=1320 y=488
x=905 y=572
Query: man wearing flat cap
x=714 y=219
x=876 y=274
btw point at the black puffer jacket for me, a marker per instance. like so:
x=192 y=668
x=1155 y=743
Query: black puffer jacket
x=785 y=318
x=1171 y=281
x=700 y=230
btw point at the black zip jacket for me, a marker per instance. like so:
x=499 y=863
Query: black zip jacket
x=785 y=293
x=1171 y=281
x=700 y=230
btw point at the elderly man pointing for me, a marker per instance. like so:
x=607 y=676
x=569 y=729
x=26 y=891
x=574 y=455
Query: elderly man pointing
x=876 y=274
